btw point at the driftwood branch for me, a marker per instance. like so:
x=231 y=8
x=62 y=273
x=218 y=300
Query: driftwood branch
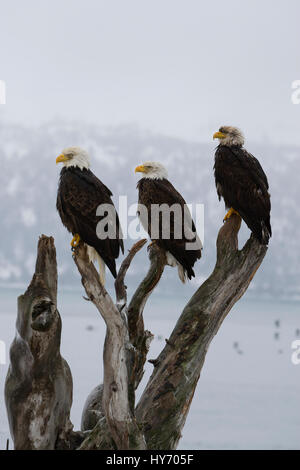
x=120 y=288
x=158 y=419
x=137 y=304
x=39 y=386
x=138 y=340
x=166 y=400
x=94 y=421
x=120 y=419
x=139 y=337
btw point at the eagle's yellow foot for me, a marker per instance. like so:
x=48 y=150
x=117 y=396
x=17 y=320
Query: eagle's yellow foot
x=151 y=244
x=229 y=214
x=75 y=240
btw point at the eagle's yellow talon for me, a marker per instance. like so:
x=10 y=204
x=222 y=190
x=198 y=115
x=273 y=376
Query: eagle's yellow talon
x=229 y=214
x=151 y=244
x=75 y=241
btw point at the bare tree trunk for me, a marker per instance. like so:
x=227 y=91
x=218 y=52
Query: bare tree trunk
x=158 y=419
x=101 y=436
x=120 y=419
x=38 y=389
x=166 y=400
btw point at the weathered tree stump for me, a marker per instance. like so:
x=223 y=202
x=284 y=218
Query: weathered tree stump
x=156 y=422
x=38 y=389
x=166 y=400
x=165 y=403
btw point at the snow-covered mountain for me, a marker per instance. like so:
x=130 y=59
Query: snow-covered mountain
x=28 y=187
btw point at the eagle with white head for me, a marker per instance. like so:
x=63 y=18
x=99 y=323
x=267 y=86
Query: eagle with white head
x=242 y=183
x=79 y=195
x=165 y=216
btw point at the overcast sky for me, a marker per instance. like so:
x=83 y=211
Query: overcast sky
x=181 y=67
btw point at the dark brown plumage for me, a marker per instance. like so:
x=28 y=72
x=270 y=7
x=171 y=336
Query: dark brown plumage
x=79 y=194
x=161 y=191
x=242 y=183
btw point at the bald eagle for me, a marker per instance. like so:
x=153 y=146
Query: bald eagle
x=79 y=195
x=165 y=216
x=242 y=183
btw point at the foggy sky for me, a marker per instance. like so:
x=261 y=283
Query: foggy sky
x=181 y=67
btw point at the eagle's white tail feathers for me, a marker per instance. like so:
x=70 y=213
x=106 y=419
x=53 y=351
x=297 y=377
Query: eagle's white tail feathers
x=171 y=261
x=94 y=256
x=182 y=273
x=101 y=270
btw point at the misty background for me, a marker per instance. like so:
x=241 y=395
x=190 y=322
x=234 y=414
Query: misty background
x=177 y=67
x=140 y=80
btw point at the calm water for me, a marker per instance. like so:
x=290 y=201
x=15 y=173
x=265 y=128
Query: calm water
x=248 y=393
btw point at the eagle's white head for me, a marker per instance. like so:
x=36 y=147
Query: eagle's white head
x=229 y=135
x=74 y=156
x=152 y=170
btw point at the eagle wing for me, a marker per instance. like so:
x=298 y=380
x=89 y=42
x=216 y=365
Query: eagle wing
x=163 y=192
x=80 y=194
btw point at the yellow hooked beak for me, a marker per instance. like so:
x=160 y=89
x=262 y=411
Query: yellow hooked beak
x=219 y=135
x=140 y=169
x=61 y=158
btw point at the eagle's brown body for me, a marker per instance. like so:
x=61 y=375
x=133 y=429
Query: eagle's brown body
x=161 y=191
x=242 y=183
x=79 y=194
